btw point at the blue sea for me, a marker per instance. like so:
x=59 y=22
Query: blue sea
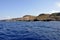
x=34 y=30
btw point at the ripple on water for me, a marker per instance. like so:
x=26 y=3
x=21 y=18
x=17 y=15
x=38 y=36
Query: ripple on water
x=29 y=31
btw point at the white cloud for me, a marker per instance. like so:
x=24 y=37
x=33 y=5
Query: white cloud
x=2 y=18
x=54 y=11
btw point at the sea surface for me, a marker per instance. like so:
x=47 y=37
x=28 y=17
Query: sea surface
x=21 y=30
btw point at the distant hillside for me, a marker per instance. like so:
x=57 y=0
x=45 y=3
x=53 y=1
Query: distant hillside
x=41 y=17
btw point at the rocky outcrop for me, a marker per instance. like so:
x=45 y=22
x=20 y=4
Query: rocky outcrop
x=43 y=17
x=29 y=18
x=24 y=18
x=49 y=17
x=55 y=16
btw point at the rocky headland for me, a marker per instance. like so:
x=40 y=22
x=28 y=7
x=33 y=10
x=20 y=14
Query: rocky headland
x=41 y=17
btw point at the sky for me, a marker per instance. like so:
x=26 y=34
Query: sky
x=19 y=8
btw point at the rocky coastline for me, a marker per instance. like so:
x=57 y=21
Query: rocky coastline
x=41 y=17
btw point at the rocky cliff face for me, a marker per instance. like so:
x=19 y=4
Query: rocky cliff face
x=24 y=18
x=28 y=18
x=41 y=17
x=49 y=17
x=55 y=16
